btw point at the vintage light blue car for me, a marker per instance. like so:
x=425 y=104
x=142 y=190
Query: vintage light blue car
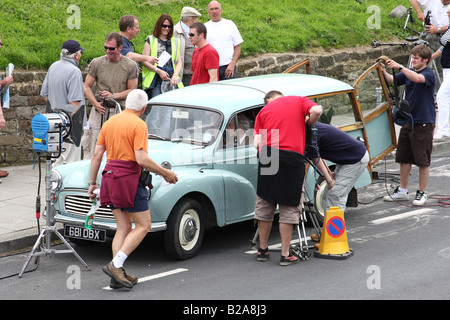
x=205 y=133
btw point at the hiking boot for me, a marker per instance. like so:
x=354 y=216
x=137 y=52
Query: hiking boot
x=288 y=260
x=115 y=285
x=118 y=274
x=420 y=198
x=262 y=255
x=397 y=196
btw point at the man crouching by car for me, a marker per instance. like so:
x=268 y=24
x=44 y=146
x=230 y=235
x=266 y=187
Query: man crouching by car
x=124 y=137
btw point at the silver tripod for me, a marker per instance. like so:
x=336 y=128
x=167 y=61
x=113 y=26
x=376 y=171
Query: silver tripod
x=48 y=229
x=302 y=249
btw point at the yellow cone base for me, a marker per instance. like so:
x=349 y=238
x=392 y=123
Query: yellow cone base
x=333 y=241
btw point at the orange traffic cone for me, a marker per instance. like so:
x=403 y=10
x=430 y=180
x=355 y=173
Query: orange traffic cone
x=333 y=240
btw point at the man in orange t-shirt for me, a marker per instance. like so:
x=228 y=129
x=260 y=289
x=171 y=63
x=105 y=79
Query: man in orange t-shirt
x=124 y=137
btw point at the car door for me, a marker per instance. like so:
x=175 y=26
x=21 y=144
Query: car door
x=236 y=157
x=375 y=106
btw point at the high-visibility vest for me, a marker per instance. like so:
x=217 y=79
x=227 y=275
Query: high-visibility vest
x=148 y=75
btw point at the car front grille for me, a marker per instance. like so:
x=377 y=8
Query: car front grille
x=80 y=205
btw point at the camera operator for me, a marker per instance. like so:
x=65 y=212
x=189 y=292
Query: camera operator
x=63 y=85
x=438 y=20
x=350 y=156
x=438 y=24
x=443 y=95
x=279 y=137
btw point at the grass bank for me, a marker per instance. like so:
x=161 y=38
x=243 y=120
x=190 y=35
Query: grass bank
x=33 y=30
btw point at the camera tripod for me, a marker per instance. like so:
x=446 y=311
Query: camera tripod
x=49 y=229
x=307 y=207
x=410 y=19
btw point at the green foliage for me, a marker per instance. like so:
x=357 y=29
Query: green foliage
x=34 y=30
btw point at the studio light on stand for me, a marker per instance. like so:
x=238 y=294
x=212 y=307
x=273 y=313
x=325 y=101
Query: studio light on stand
x=49 y=130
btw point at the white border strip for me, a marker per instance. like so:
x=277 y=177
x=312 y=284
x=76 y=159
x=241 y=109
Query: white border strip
x=155 y=276
x=402 y=216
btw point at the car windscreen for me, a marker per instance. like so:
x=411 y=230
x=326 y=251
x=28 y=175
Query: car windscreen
x=183 y=124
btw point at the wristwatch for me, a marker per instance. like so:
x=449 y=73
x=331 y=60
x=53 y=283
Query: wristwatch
x=92 y=183
x=400 y=67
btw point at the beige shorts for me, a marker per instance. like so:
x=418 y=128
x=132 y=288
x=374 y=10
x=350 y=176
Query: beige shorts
x=265 y=210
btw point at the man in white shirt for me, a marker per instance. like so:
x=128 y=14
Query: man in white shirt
x=439 y=23
x=224 y=36
x=439 y=19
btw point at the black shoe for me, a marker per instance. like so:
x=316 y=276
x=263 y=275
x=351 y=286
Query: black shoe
x=288 y=260
x=262 y=255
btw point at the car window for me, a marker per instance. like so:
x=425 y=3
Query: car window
x=183 y=124
x=370 y=92
x=337 y=109
x=239 y=129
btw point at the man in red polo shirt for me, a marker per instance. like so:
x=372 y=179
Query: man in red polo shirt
x=205 y=59
x=280 y=140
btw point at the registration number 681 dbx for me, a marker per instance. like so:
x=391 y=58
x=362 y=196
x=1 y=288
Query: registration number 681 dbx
x=77 y=232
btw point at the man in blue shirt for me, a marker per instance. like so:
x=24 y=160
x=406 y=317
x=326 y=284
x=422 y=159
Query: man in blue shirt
x=415 y=146
x=349 y=155
x=129 y=29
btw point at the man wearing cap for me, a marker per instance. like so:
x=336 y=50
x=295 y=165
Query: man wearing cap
x=181 y=31
x=63 y=85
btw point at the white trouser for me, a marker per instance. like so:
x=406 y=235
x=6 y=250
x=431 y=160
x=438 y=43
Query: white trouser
x=443 y=101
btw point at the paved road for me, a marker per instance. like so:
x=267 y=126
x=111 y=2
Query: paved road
x=400 y=252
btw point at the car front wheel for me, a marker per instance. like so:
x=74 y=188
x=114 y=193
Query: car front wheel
x=185 y=229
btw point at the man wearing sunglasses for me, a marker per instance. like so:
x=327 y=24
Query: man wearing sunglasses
x=115 y=76
x=205 y=59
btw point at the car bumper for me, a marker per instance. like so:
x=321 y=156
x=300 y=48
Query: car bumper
x=156 y=227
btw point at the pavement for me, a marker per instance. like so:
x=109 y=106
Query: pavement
x=18 y=223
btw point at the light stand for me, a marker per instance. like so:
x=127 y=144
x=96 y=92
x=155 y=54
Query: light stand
x=49 y=229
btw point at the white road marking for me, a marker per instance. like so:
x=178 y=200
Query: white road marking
x=155 y=276
x=402 y=216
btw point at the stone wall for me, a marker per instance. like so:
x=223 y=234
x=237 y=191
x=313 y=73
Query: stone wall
x=346 y=65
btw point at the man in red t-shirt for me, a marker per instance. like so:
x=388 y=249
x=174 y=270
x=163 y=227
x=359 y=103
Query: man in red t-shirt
x=280 y=140
x=205 y=59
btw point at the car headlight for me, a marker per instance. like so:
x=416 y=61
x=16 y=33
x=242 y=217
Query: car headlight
x=55 y=180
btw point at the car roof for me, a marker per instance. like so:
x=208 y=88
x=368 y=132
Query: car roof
x=235 y=94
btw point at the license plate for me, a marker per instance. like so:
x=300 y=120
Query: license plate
x=77 y=232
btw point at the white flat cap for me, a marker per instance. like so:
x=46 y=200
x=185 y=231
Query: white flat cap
x=189 y=12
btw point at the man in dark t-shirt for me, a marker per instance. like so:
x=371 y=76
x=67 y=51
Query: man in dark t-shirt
x=350 y=156
x=415 y=142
